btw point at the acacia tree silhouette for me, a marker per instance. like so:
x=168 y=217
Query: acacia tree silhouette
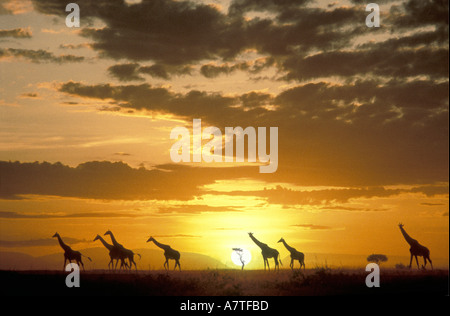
x=377 y=258
x=240 y=253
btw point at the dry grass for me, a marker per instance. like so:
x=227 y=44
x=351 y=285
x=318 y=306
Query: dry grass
x=319 y=281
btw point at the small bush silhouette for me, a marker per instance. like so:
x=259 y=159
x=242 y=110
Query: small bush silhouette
x=377 y=258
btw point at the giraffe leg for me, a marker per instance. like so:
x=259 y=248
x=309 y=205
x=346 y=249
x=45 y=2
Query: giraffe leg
x=82 y=264
x=410 y=261
x=417 y=261
x=166 y=264
x=292 y=264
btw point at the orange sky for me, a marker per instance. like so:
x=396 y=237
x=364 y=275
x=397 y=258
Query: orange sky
x=362 y=116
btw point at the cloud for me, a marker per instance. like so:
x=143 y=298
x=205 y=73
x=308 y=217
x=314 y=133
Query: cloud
x=15 y=215
x=177 y=236
x=364 y=107
x=301 y=39
x=39 y=56
x=285 y=196
x=155 y=30
x=38 y=242
x=195 y=209
x=132 y=71
x=320 y=120
x=312 y=227
x=212 y=70
x=432 y=204
x=354 y=209
x=31 y=95
x=110 y=181
x=16 y=33
x=125 y=72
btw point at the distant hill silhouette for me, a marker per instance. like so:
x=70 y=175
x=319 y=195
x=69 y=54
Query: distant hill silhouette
x=151 y=259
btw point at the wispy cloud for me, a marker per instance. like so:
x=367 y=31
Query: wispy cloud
x=38 y=242
x=39 y=56
x=16 y=33
x=312 y=227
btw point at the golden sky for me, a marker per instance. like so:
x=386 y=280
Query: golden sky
x=362 y=116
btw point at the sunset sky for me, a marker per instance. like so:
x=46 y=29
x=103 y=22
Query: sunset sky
x=362 y=116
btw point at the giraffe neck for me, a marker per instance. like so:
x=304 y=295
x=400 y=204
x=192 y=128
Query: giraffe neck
x=162 y=246
x=62 y=244
x=408 y=238
x=289 y=248
x=257 y=242
x=107 y=246
x=114 y=241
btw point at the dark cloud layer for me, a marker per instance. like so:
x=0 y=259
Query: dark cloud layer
x=363 y=133
x=106 y=180
x=118 y=181
x=185 y=32
x=367 y=107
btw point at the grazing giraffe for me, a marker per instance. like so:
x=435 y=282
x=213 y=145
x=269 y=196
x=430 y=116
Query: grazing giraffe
x=114 y=254
x=416 y=249
x=70 y=254
x=267 y=253
x=295 y=255
x=169 y=253
x=126 y=253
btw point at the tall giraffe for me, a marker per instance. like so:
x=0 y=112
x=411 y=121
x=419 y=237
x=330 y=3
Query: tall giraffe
x=70 y=254
x=416 y=249
x=169 y=253
x=114 y=254
x=295 y=255
x=267 y=253
x=127 y=253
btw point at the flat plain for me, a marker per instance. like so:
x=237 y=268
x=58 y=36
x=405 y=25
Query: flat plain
x=233 y=283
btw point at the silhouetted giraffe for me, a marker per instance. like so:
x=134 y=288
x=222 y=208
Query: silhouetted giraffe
x=295 y=255
x=70 y=254
x=416 y=249
x=267 y=253
x=169 y=253
x=127 y=253
x=114 y=254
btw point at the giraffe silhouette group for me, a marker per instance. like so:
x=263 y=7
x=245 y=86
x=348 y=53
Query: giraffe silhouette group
x=118 y=252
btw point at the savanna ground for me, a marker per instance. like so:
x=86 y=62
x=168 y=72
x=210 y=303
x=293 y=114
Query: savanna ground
x=317 y=282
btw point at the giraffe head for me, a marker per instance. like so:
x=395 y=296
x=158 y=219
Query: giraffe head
x=250 y=234
x=107 y=233
x=97 y=237
x=400 y=225
x=55 y=235
x=281 y=240
x=150 y=239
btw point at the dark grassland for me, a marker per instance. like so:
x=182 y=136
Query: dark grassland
x=312 y=282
